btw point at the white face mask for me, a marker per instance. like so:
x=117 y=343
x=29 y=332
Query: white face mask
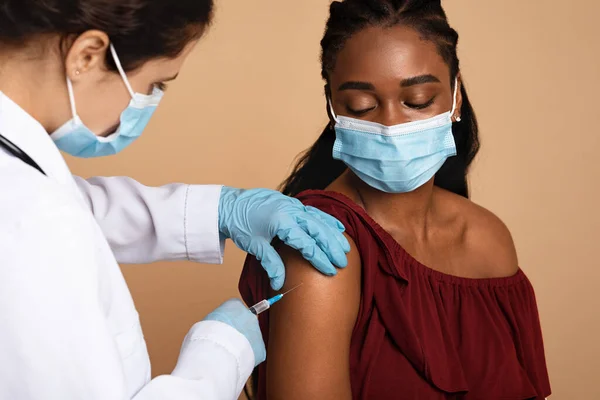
x=398 y=158
x=76 y=139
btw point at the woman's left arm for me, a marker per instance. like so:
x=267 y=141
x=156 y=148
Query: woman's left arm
x=146 y=224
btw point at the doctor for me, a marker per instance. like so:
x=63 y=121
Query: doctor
x=84 y=77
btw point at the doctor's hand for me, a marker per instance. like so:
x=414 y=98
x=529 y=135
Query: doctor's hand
x=235 y=314
x=253 y=218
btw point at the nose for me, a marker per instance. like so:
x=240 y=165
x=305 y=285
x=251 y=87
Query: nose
x=392 y=114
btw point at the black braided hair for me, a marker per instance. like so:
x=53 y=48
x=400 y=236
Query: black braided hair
x=316 y=168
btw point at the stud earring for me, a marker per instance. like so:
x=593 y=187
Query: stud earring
x=458 y=119
x=77 y=72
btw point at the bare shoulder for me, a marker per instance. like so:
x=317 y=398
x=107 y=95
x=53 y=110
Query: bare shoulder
x=487 y=239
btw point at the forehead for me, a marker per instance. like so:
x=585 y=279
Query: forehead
x=164 y=67
x=397 y=52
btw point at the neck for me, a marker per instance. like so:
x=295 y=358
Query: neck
x=30 y=82
x=409 y=212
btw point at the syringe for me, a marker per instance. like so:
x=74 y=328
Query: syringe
x=264 y=305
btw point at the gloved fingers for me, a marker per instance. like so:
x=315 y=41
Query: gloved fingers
x=332 y=222
x=324 y=236
x=329 y=219
x=298 y=239
x=270 y=261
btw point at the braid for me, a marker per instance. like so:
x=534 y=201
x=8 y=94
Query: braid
x=316 y=169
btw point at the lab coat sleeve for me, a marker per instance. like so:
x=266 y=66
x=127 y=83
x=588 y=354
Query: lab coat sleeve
x=215 y=362
x=55 y=340
x=145 y=224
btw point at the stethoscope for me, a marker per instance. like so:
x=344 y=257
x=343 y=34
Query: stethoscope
x=20 y=154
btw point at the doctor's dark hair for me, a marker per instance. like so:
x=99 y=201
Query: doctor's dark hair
x=316 y=168
x=140 y=30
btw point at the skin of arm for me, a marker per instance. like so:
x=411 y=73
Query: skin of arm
x=310 y=331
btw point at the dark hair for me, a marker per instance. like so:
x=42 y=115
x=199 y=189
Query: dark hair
x=316 y=168
x=140 y=30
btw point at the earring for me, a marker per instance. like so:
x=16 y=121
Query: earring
x=458 y=119
x=77 y=72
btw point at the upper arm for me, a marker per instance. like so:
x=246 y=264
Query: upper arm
x=310 y=331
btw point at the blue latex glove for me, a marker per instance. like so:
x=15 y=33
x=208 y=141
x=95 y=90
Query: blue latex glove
x=235 y=314
x=253 y=218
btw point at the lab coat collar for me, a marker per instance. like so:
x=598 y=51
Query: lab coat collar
x=30 y=136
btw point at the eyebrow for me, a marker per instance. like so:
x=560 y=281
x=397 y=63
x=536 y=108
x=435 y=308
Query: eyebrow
x=412 y=81
x=355 y=85
x=418 y=80
x=171 y=78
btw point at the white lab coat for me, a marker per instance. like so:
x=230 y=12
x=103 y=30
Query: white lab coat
x=68 y=326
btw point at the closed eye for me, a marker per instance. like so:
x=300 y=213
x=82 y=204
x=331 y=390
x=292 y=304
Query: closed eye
x=421 y=105
x=360 y=112
x=161 y=86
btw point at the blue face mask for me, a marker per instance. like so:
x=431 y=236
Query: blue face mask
x=77 y=140
x=398 y=158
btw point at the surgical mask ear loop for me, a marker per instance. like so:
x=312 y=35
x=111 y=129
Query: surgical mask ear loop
x=121 y=71
x=454 y=98
x=335 y=118
x=71 y=99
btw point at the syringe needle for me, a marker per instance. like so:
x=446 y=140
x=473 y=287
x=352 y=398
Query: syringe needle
x=297 y=286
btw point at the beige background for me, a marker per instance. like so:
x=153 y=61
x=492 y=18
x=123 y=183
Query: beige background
x=250 y=98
